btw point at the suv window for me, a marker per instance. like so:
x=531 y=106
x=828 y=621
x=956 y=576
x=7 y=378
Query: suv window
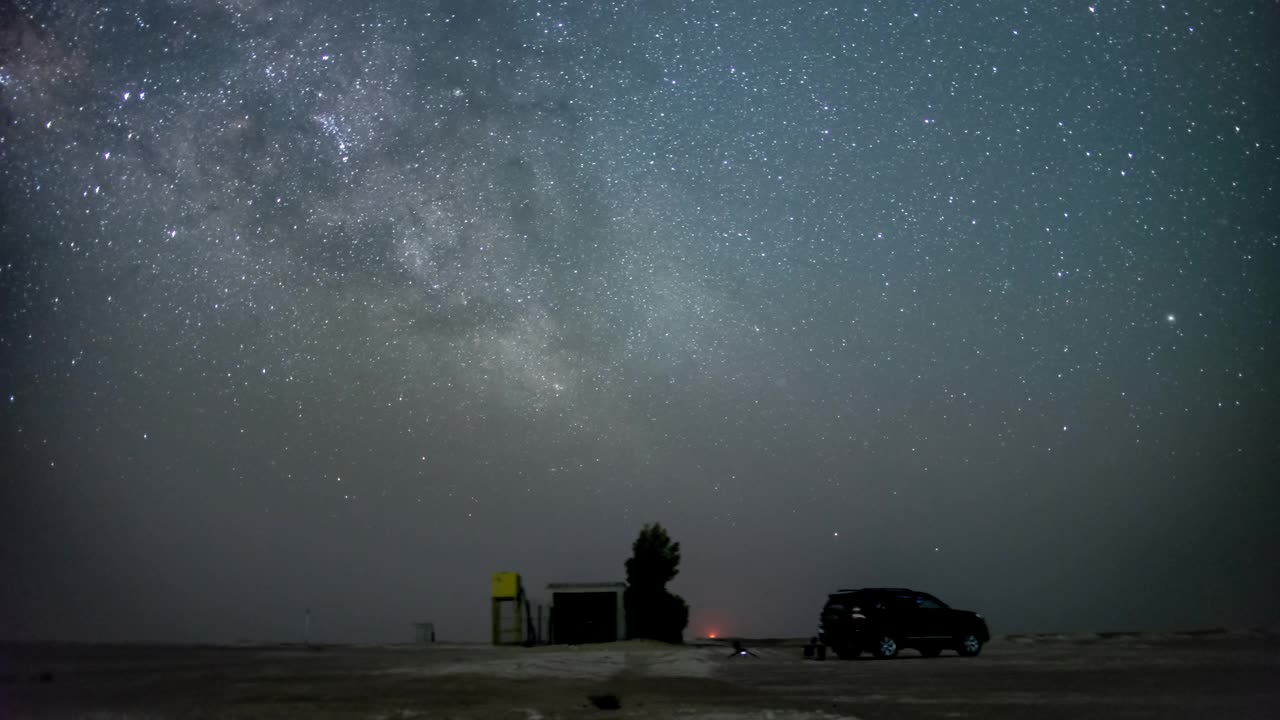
x=901 y=602
x=924 y=602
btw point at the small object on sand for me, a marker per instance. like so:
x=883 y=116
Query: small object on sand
x=739 y=651
x=608 y=701
x=815 y=650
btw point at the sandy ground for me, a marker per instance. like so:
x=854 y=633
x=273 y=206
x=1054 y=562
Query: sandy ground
x=1222 y=675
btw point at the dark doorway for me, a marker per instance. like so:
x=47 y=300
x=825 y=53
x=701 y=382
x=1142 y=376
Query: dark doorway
x=584 y=617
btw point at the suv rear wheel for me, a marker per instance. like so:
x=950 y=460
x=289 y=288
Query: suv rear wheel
x=886 y=647
x=846 y=653
x=968 y=645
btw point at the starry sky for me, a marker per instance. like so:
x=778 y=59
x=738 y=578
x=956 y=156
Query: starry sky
x=348 y=305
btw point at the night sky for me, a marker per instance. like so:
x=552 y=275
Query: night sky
x=348 y=305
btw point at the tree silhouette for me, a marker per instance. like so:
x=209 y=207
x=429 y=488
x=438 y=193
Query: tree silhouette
x=652 y=611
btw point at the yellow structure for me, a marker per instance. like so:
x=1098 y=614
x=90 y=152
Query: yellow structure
x=509 y=626
x=506 y=585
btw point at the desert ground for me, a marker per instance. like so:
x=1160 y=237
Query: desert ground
x=1189 y=675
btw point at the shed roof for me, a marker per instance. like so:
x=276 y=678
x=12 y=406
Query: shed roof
x=586 y=586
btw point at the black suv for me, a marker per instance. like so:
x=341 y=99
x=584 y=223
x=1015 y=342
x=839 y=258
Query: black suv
x=884 y=620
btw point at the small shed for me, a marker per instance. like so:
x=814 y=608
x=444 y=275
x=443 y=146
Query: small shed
x=424 y=633
x=586 y=612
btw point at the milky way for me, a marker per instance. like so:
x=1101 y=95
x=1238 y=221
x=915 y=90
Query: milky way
x=349 y=305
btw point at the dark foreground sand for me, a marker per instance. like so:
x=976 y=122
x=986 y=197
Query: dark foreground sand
x=1208 y=676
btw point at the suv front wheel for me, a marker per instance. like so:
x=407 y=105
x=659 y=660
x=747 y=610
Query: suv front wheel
x=968 y=645
x=886 y=647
